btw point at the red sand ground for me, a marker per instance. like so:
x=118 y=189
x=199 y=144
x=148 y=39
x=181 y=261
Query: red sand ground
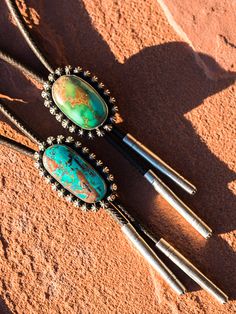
x=55 y=259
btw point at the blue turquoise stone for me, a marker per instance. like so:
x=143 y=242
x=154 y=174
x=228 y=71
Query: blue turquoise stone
x=79 y=101
x=74 y=173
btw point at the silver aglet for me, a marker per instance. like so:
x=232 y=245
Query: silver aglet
x=152 y=258
x=191 y=270
x=159 y=164
x=174 y=201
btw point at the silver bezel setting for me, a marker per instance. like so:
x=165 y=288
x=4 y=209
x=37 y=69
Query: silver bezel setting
x=90 y=157
x=92 y=80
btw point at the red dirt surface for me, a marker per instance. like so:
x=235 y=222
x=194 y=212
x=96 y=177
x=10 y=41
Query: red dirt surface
x=56 y=259
x=208 y=27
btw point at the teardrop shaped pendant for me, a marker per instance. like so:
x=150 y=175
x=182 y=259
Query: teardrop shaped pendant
x=79 y=102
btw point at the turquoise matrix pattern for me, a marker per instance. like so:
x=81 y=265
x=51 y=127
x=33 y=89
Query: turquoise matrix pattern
x=74 y=173
x=79 y=101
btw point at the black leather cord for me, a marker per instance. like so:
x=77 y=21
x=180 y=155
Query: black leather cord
x=130 y=155
x=17 y=146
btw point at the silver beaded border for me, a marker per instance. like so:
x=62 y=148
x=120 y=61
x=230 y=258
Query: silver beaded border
x=91 y=159
x=98 y=86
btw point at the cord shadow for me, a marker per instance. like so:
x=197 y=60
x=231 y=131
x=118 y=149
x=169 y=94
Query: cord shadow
x=4 y=308
x=155 y=89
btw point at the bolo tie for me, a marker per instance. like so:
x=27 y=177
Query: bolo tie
x=83 y=106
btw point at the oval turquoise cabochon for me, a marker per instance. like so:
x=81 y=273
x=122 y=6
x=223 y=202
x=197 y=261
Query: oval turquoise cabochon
x=74 y=173
x=79 y=101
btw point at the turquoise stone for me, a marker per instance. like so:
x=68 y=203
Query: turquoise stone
x=79 y=101
x=74 y=173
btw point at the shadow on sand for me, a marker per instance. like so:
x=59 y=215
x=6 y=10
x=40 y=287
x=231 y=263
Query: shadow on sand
x=155 y=89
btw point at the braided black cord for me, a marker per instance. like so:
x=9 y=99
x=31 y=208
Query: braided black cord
x=15 y=120
x=17 y=146
x=135 y=223
x=116 y=215
x=19 y=66
x=24 y=31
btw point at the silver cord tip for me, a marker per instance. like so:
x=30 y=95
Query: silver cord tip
x=158 y=163
x=177 y=204
x=153 y=259
x=194 y=191
x=193 y=272
x=209 y=235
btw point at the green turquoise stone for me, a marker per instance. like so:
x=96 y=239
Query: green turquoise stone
x=79 y=101
x=74 y=173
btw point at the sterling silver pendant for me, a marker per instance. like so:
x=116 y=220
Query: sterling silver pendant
x=75 y=173
x=79 y=102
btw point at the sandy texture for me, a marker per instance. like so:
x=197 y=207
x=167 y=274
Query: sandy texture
x=55 y=259
x=209 y=28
